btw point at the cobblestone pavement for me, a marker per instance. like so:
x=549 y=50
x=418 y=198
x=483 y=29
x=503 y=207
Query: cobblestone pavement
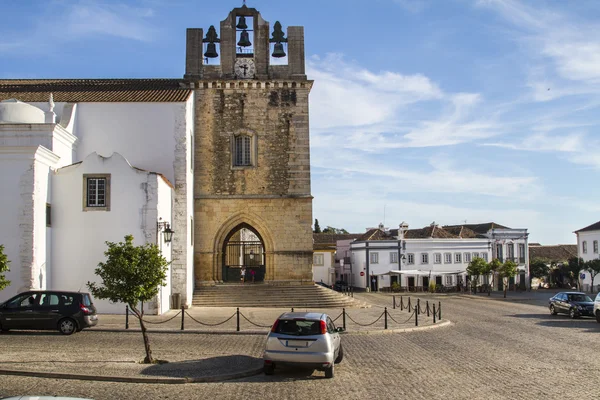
x=494 y=350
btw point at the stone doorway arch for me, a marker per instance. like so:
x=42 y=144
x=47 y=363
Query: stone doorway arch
x=244 y=258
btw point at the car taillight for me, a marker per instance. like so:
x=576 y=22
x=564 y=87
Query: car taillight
x=84 y=309
x=323 y=327
x=274 y=327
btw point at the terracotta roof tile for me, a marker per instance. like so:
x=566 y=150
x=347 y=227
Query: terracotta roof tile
x=557 y=253
x=479 y=228
x=330 y=238
x=95 y=90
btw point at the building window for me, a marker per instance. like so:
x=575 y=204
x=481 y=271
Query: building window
x=374 y=258
x=457 y=258
x=318 y=259
x=484 y=256
x=522 y=253
x=510 y=252
x=584 y=246
x=424 y=258
x=449 y=280
x=411 y=258
x=437 y=258
x=499 y=252
x=467 y=257
x=242 y=151
x=394 y=257
x=448 y=258
x=48 y=215
x=596 y=246
x=475 y=255
x=96 y=192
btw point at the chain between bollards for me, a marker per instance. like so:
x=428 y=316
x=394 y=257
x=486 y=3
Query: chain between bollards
x=182 y=317
x=127 y=317
x=385 y=318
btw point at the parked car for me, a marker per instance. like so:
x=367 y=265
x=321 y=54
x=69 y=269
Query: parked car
x=303 y=339
x=340 y=286
x=576 y=304
x=597 y=308
x=67 y=312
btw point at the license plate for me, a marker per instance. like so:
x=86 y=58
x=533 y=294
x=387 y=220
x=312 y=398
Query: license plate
x=296 y=343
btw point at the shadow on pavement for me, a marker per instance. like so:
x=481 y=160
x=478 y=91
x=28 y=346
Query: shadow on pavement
x=214 y=366
x=287 y=374
x=562 y=321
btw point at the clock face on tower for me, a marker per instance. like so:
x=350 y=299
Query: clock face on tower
x=244 y=68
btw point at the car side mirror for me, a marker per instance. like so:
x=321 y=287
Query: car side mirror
x=340 y=329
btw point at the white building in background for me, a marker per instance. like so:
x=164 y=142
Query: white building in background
x=93 y=168
x=326 y=256
x=587 y=249
x=433 y=254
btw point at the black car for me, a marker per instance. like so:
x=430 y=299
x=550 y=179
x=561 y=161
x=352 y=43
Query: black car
x=48 y=310
x=576 y=304
x=340 y=286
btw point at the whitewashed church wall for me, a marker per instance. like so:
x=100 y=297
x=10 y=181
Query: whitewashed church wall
x=79 y=236
x=16 y=170
x=164 y=207
x=41 y=263
x=142 y=132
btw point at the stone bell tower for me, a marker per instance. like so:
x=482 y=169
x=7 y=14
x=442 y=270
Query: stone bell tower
x=252 y=200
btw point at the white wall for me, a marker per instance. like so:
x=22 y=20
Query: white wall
x=163 y=209
x=322 y=273
x=79 y=236
x=589 y=237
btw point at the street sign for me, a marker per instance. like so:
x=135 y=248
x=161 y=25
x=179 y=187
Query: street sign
x=581 y=276
x=362 y=273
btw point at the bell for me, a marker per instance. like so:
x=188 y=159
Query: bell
x=211 y=51
x=278 y=51
x=244 y=39
x=242 y=23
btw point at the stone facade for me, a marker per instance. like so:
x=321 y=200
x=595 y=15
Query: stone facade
x=272 y=194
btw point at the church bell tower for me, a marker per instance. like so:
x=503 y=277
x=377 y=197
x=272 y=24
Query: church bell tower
x=252 y=199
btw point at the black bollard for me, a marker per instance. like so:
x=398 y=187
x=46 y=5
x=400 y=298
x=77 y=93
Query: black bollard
x=344 y=318
x=434 y=313
x=292 y=309
x=182 y=317
x=394 y=306
x=237 y=311
x=416 y=317
x=419 y=306
x=427 y=305
x=385 y=318
x=409 y=305
x=440 y=310
x=126 y=317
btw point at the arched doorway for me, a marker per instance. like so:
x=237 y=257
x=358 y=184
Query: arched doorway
x=243 y=248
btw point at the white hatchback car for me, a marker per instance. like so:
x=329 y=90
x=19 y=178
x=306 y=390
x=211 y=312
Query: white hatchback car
x=597 y=308
x=308 y=340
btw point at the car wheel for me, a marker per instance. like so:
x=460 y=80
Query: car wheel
x=598 y=316
x=269 y=369
x=329 y=372
x=340 y=356
x=67 y=326
x=553 y=310
x=572 y=313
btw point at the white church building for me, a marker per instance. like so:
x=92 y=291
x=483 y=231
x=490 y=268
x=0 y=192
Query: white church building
x=93 y=167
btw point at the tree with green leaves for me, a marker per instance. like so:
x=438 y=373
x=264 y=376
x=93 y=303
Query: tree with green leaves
x=593 y=267
x=3 y=268
x=573 y=268
x=506 y=271
x=131 y=275
x=335 y=231
x=476 y=267
x=317 y=227
x=538 y=268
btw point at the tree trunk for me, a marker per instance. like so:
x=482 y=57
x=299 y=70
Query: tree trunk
x=148 y=359
x=505 y=284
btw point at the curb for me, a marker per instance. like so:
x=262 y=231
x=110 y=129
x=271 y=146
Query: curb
x=402 y=330
x=179 y=332
x=59 y=375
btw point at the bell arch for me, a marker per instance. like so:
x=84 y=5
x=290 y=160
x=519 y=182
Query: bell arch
x=253 y=223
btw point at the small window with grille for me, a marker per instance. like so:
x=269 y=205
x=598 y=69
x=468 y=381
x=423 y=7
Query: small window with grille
x=242 y=151
x=96 y=195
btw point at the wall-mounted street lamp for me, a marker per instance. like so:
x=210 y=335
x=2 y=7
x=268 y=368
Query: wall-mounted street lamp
x=165 y=227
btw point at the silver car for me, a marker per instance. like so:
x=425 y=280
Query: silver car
x=303 y=339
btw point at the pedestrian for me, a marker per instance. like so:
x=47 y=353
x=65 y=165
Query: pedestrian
x=243 y=274
x=252 y=273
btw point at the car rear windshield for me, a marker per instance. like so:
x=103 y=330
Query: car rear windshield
x=298 y=327
x=87 y=300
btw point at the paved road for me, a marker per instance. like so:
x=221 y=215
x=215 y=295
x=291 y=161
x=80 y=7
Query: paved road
x=494 y=350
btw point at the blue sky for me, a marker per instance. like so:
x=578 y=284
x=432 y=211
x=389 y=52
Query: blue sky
x=445 y=111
